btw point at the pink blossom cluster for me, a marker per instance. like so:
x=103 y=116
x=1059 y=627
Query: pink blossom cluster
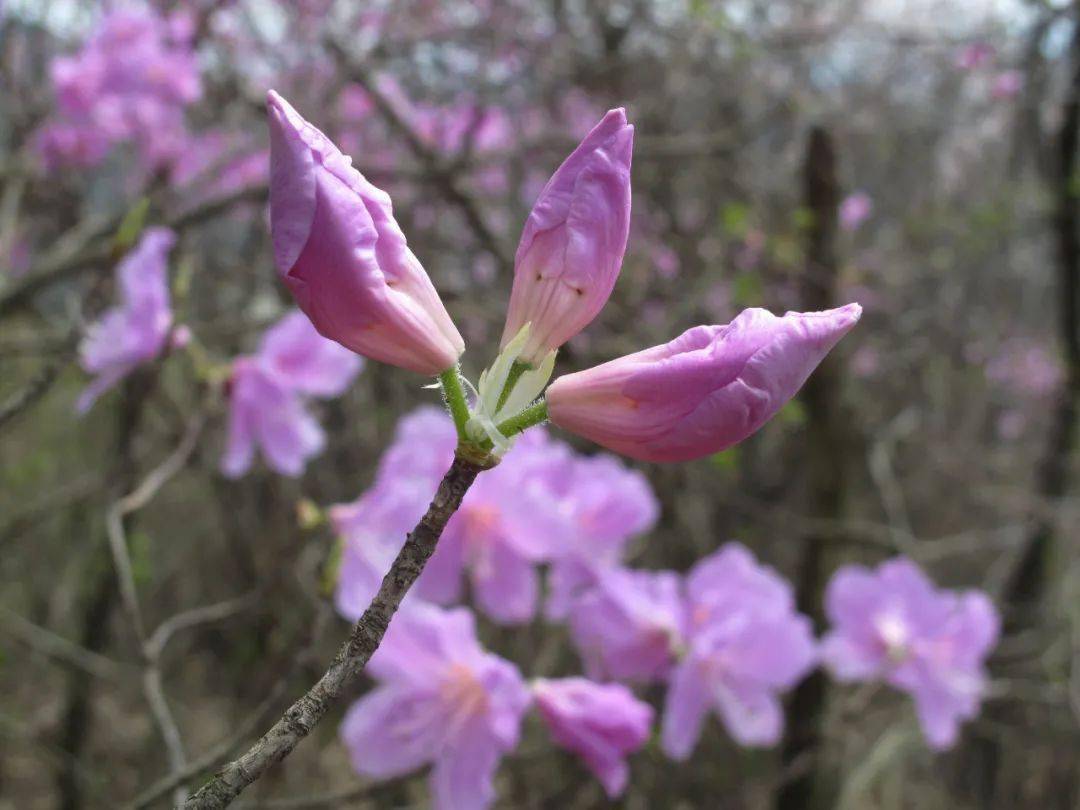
x=441 y=699
x=217 y=162
x=726 y=638
x=137 y=329
x=723 y=639
x=267 y=393
x=1025 y=367
x=130 y=83
x=981 y=56
x=543 y=503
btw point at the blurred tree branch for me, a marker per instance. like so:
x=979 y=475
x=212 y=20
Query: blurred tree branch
x=86 y=248
x=825 y=446
x=218 y=753
x=48 y=643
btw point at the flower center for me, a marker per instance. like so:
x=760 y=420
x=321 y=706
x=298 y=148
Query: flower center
x=463 y=694
x=893 y=632
x=481 y=519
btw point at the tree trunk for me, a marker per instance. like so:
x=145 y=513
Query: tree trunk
x=808 y=785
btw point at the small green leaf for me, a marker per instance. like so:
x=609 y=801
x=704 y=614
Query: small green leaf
x=746 y=290
x=1073 y=187
x=786 y=250
x=802 y=218
x=735 y=218
x=182 y=281
x=333 y=565
x=309 y=515
x=794 y=413
x=726 y=460
x=132 y=225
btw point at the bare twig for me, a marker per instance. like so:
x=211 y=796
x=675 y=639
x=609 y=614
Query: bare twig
x=30 y=393
x=366 y=635
x=114 y=520
x=48 y=643
x=321 y=802
x=151 y=652
x=216 y=755
x=880 y=462
x=155 y=645
x=100 y=598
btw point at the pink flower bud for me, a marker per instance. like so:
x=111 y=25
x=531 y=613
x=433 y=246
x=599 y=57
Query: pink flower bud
x=706 y=390
x=344 y=257
x=573 y=243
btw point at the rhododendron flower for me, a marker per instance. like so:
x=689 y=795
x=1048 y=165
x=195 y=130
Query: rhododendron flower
x=598 y=504
x=299 y=358
x=629 y=625
x=745 y=643
x=373 y=528
x=704 y=391
x=265 y=414
x=137 y=330
x=61 y=145
x=975 y=55
x=1007 y=84
x=218 y=163
x=855 y=209
x=441 y=699
x=344 y=257
x=572 y=246
x=498 y=535
x=892 y=624
x=602 y=723
x=266 y=408
x=130 y=83
x=1026 y=367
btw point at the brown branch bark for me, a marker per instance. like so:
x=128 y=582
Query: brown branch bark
x=365 y=638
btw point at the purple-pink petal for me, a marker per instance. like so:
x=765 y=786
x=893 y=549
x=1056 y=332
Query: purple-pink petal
x=136 y=330
x=343 y=256
x=704 y=391
x=572 y=246
x=441 y=699
x=301 y=359
x=602 y=723
x=265 y=415
x=893 y=624
x=628 y=626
